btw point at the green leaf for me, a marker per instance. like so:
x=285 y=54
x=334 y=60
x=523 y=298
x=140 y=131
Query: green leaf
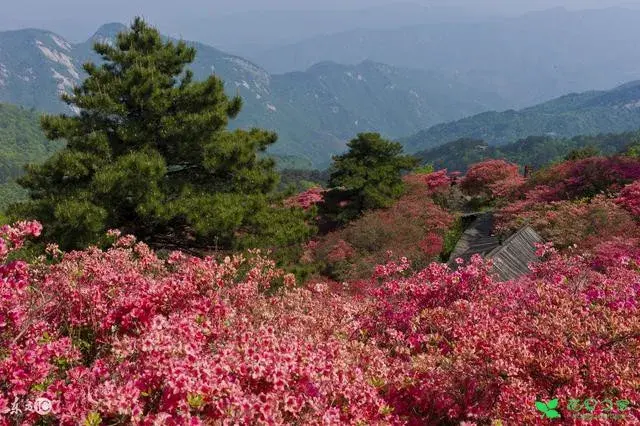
x=590 y=404
x=623 y=404
x=92 y=419
x=553 y=403
x=553 y=414
x=542 y=406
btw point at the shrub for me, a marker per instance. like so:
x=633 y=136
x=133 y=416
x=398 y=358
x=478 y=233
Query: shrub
x=630 y=198
x=414 y=227
x=307 y=199
x=492 y=179
x=567 y=223
x=120 y=336
x=587 y=177
x=483 y=352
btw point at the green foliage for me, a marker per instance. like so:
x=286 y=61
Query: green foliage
x=456 y=155
x=368 y=176
x=589 y=113
x=582 y=153
x=423 y=170
x=451 y=239
x=632 y=149
x=21 y=142
x=302 y=179
x=284 y=162
x=534 y=151
x=93 y=419
x=150 y=154
x=10 y=193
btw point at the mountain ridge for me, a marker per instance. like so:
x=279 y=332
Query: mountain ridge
x=589 y=113
x=526 y=59
x=314 y=112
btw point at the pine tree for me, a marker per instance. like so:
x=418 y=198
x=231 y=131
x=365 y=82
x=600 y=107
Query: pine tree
x=368 y=176
x=150 y=154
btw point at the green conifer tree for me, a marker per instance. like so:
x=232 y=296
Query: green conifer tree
x=150 y=154
x=368 y=176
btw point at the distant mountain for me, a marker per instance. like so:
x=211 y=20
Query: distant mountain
x=21 y=142
x=314 y=112
x=525 y=60
x=589 y=113
x=340 y=101
x=250 y=32
x=534 y=151
x=35 y=68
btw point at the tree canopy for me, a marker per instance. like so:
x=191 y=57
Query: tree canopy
x=149 y=153
x=368 y=176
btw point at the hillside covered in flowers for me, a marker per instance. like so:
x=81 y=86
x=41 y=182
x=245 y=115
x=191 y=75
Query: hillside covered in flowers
x=123 y=335
x=156 y=275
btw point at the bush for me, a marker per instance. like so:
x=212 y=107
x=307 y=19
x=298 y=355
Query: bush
x=413 y=227
x=484 y=352
x=587 y=177
x=120 y=336
x=492 y=179
x=567 y=223
x=630 y=198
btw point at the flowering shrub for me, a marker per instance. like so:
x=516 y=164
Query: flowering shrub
x=120 y=336
x=493 y=179
x=413 y=227
x=432 y=244
x=307 y=199
x=340 y=252
x=581 y=202
x=479 y=351
x=630 y=198
x=14 y=282
x=614 y=252
x=581 y=222
x=12 y=237
x=438 y=182
x=123 y=337
x=588 y=177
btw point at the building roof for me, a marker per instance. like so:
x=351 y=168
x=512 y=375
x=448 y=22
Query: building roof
x=478 y=238
x=511 y=257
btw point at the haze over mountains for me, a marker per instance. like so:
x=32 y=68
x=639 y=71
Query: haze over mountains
x=399 y=69
x=314 y=112
x=526 y=59
x=223 y=23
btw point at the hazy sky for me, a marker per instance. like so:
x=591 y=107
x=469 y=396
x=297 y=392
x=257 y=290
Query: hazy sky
x=77 y=19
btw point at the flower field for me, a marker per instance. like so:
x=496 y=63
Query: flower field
x=122 y=336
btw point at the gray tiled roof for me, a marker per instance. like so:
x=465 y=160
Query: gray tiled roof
x=511 y=258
